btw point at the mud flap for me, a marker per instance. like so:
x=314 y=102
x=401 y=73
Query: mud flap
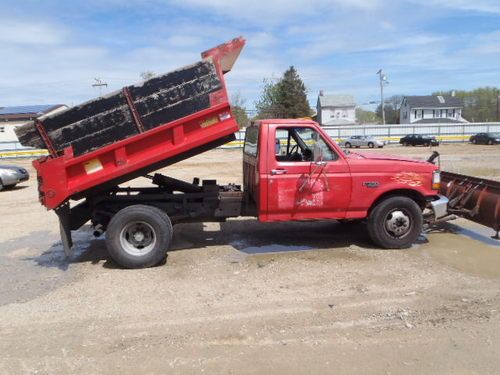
x=63 y=212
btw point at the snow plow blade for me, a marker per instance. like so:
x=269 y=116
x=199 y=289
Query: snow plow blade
x=473 y=198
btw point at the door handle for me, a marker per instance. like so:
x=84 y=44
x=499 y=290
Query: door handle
x=278 y=171
x=319 y=163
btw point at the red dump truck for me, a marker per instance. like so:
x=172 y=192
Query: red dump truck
x=292 y=170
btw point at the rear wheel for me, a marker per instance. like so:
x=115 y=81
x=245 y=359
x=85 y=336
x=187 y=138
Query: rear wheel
x=138 y=236
x=1 y=185
x=395 y=223
x=348 y=145
x=474 y=141
x=490 y=142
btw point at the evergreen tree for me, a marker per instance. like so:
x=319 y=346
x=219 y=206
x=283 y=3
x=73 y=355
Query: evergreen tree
x=293 y=95
x=285 y=98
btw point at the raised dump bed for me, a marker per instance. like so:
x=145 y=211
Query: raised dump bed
x=131 y=132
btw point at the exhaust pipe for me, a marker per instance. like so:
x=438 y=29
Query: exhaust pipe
x=98 y=230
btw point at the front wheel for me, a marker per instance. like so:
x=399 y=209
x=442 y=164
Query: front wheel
x=348 y=145
x=371 y=145
x=138 y=236
x=395 y=223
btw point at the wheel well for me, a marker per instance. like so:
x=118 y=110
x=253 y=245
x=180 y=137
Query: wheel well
x=412 y=194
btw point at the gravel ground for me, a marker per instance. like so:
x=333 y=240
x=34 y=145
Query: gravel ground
x=243 y=297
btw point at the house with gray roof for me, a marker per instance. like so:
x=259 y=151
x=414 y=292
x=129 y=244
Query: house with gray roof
x=431 y=109
x=336 y=109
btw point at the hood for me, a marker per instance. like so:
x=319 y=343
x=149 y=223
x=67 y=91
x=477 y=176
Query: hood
x=374 y=156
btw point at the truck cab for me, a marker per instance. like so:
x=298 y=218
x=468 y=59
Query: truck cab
x=292 y=170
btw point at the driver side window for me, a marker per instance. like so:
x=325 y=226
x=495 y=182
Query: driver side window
x=302 y=144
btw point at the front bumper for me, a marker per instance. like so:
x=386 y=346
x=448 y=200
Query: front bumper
x=439 y=207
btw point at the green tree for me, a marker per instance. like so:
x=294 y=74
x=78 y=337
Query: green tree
x=391 y=113
x=391 y=107
x=239 y=111
x=268 y=105
x=286 y=98
x=367 y=117
x=147 y=75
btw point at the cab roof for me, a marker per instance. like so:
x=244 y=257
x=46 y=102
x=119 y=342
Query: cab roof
x=284 y=121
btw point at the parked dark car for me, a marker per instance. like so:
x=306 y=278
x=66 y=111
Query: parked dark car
x=10 y=175
x=485 y=139
x=419 y=140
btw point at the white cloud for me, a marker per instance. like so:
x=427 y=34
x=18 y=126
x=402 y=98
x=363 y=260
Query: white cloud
x=487 y=6
x=29 y=32
x=275 y=12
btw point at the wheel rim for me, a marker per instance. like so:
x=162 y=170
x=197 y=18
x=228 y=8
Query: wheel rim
x=348 y=145
x=370 y=145
x=137 y=238
x=397 y=223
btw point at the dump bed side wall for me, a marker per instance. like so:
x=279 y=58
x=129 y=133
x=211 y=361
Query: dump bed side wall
x=66 y=176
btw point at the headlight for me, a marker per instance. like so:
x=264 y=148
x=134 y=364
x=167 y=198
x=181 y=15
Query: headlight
x=436 y=180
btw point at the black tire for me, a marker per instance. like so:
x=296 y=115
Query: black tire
x=154 y=235
x=1 y=185
x=490 y=142
x=426 y=144
x=474 y=141
x=371 y=145
x=348 y=145
x=387 y=223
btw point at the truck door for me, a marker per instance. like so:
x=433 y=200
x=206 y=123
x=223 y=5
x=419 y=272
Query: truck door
x=307 y=177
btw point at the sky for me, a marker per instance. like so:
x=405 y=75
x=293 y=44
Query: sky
x=51 y=51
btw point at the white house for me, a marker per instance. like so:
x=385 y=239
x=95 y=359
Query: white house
x=431 y=109
x=12 y=117
x=336 y=109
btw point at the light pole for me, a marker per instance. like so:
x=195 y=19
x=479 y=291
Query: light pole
x=100 y=84
x=383 y=81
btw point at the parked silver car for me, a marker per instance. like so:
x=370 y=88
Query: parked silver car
x=10 y=175
x=362 y=141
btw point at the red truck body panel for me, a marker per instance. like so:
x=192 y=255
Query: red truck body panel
x=67 y=176
x=344 y=188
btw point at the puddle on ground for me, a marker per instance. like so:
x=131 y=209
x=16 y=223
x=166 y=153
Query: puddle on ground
x=270 y=248
x=33 y=265
x=466 y=247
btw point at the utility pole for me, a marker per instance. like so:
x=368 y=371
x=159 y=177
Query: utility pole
x=100 y=84
x=383 y=80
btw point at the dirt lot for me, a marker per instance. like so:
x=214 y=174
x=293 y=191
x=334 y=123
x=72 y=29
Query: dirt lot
x=247 y=298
